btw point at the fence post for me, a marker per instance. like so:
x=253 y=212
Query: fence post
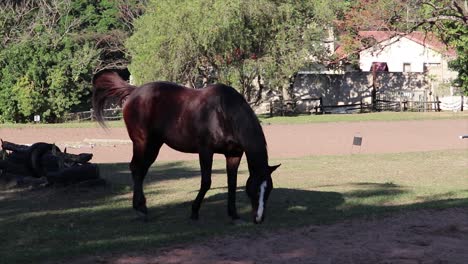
x=91 y=114
x=438 y=104
x=461 y=105
x=321 y=104
x=271 y=109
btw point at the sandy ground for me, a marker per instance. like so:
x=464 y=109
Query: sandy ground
x=284 y=141
x=425 y=236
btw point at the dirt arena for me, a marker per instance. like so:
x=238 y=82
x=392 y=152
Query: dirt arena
x=425 y=236
x=284 y=141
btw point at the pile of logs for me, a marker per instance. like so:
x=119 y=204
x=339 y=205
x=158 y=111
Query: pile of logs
x=48 y=163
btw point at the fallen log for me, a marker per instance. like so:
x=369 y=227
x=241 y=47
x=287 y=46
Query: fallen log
x=47 y=161
x=74 y=174
x=13 y=168
x=67 y=157
x=16 y=156
x=76 y=158
x=35 y=163
x=14 y=147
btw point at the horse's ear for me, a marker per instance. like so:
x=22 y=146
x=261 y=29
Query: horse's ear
x=65 y=151
x=273 y=168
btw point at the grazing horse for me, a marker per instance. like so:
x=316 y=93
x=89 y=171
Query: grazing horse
x=215 y=119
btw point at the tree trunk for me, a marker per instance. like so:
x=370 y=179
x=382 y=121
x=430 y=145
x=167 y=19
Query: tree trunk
x=14 y=147
x=258 y=97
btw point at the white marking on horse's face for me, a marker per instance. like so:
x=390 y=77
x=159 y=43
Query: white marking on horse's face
x=261 y=205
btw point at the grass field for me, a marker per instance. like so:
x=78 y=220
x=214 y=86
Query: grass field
x=301 y=119
x=57 y=223
x=381 y=116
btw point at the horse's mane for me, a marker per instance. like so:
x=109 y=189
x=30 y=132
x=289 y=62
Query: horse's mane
x=245 y=125
x=108 y=84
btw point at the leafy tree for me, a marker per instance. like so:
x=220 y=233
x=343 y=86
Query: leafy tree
x=50 y=50
x=236 y=42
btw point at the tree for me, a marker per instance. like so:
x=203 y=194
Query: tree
x=446 y=18
x=235 y=42
x=50 y=50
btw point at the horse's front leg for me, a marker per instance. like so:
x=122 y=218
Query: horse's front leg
x=232 y=165
x=206 y=163
x=139 y=200
x=143 y=157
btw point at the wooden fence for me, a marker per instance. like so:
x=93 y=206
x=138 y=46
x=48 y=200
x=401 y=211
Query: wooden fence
x=288 y=107
x=285 y=108
x=360 y=107
x=410 y=106
x=108 y=114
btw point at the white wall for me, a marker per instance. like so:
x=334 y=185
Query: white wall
x=396 y=52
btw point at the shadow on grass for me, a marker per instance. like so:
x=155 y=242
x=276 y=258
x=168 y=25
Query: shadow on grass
x=388 y=192
x=117 y=175
x=74 y=223
x=388 y=185
x=158 y=172
x=55 y=224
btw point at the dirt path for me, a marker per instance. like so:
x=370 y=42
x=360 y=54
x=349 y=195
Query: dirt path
x=426 y=236
x=284 y=141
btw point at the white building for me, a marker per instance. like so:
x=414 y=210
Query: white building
x=416 y=52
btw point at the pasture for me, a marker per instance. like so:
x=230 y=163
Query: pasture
x=301 y=119
x=58 y=224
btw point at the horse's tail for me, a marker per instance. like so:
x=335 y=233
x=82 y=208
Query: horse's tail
x=108 y=84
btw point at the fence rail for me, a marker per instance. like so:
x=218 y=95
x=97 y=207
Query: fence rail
x=411 y=106
x=388 y=105
x=421 y=106
x=347 y=108
x=288 y=107
x=108 y=114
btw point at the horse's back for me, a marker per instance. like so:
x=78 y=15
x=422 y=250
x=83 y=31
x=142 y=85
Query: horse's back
x=155 y=90
x=157 y=98
x=151 y=109
x=215 y=117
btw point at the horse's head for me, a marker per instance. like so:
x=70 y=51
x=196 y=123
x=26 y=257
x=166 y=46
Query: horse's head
x=258 y=189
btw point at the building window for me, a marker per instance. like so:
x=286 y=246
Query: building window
x=432 y=67
x=406 y=67
x=379 y=67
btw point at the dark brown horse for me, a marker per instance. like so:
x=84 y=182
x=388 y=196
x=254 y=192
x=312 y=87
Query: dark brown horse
x=216 y=119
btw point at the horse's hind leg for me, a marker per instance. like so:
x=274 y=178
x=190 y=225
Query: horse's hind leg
x=206 y=162
x=232 y=165
x=143 y=156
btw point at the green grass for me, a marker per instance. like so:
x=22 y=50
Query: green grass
x=87 y=124
x=301 y=119
x=57 y=223
x=382 y=116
